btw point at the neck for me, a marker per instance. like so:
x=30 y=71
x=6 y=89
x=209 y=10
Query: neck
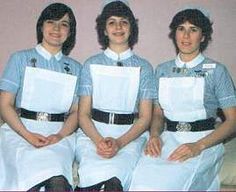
x=52 y=50
x=118 y=48
x=188 y=57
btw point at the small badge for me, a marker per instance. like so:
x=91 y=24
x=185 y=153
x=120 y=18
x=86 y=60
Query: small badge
x=209 y=66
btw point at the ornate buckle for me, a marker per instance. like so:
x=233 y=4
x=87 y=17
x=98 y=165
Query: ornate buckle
x=183 y=126
x=42 y=116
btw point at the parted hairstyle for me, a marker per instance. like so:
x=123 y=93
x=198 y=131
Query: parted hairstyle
x=195 y=17
x=119 y=9
x=56 y=11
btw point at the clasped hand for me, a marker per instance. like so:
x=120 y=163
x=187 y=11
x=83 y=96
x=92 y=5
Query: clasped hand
x=38 y=140
x=107 y=147
x=181 y=153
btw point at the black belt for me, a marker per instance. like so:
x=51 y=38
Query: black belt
x=41 y=116
x=201 y=125
x=113 y=118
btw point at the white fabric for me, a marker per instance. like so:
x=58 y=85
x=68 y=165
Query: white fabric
x=51 y=91
x=107 y=83
x=182 y=98
x=25 y=166
x=94 y=169
x=115 y=88
x=198 y=173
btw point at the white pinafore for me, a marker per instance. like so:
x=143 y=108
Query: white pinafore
x=182 y=100
x=115 y=90
x=26 y=166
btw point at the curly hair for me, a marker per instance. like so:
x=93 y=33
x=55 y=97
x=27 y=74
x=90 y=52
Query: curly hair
x=56 y=11
x=195 y=17
x=119 y=9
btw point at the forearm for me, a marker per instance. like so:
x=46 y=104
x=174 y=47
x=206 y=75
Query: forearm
x=135 y=131
x=70 y=125
x=88 y=127
x=10 y=116
x=225 y=130
x=157 y=123
x=142 y=124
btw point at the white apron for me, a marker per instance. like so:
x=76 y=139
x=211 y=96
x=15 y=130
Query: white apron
x=198 y=173
x=115 y=89
x=25 y=165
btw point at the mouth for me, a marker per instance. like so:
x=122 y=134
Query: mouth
x=119 y=34
x=55 y=35
x=186 y=43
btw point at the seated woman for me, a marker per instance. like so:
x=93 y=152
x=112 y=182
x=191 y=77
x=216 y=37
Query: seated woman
x=117 y=88
x=38 y=90
x=188 y=155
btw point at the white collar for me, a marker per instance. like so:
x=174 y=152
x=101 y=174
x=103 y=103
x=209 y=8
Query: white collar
x=197 y=60
x=113 y=55
x=43 y=52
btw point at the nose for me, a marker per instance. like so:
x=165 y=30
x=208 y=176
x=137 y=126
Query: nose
x=56 y=26
x=118 y=25
x=186 y=33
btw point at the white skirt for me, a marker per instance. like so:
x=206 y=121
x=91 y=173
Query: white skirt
x=25 y=166
x=94 y=169
x=198 y=173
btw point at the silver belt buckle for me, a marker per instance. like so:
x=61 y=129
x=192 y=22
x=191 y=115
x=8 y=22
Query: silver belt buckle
x=42 y=116
x=183 y=126
x=111 y=118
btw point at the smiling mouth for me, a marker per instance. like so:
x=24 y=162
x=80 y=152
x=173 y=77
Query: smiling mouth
x=119 y=34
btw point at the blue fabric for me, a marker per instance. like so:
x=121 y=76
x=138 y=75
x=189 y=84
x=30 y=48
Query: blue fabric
x=219 y=91
x=13 y=75
x=147 y=88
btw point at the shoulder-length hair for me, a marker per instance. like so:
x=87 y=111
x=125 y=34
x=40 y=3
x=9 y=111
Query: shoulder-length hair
x=195 y=17
x=119 y=9
x=56 y=11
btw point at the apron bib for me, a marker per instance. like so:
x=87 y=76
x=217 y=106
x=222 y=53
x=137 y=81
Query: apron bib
x=182 y=98
x=26 y=166
x=52 y=92
x=115 y=89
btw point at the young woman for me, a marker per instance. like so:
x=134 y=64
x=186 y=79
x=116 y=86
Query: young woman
x=188 y=154
x=117 y=88
x=38 y=90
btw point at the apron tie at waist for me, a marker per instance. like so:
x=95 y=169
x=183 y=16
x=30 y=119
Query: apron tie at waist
x=41 y=116
x=113 y=118
x=201 y=125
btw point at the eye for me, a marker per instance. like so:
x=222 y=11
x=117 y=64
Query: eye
x=49 y=21
x=194 y=29
x=65 y=24
x=124 y=23
x=111 y=23
x=180 y=28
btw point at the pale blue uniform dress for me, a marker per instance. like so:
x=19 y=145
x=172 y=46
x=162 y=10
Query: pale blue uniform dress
x=24 y=166
x=195 y=91
x=93 y=168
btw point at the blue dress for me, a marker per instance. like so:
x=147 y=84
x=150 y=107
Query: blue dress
x=93 y=168
x=198 y=88
x=24 y=166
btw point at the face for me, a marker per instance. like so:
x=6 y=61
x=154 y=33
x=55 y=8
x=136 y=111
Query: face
x=118 y=31
x=188 y=39
x=55 y=33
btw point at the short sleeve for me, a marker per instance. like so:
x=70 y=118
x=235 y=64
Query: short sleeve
x=10 y=80
x=224 y=87
x=85 y=85
x=147 y=83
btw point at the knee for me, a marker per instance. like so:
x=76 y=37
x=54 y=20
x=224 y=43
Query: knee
x=113 y=184
x=57 y=183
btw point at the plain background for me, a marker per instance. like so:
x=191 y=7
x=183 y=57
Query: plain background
x=18 y=28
